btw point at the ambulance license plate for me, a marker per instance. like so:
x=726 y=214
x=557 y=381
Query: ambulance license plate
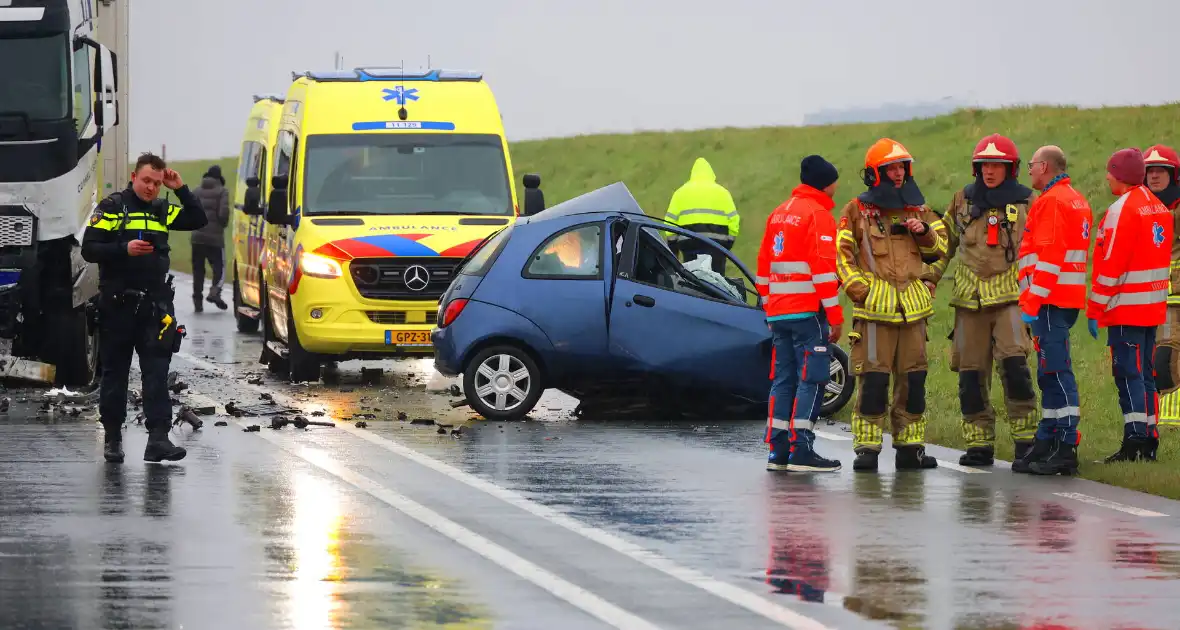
x=407 y=338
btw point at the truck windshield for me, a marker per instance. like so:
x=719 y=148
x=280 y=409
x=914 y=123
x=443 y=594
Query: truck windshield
x=397 y=173
x=35 y=76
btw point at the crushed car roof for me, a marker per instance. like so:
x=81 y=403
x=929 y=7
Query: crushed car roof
x=613 y=198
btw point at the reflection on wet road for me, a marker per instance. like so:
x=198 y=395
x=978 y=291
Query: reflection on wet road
x=555 y=522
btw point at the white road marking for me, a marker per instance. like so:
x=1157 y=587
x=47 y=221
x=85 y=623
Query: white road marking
x=833 y=436
x=567 y=591
x=728 y=592
x=1085 y=498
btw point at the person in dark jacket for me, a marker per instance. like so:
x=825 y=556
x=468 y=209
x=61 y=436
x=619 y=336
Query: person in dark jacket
x=128 y=238
x=208 y=243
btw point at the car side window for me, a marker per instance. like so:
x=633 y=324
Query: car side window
x=657 y=265
x=572 y=254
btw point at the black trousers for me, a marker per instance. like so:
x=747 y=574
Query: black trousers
x=125 y=327
x=216 y=257
x=690 y=250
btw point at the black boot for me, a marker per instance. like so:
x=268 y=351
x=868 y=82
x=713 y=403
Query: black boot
x=198 y=306
x=912 y=457
x=1022 y=449
x=803 y=457
x=113 y=447
x=1061 y=460
x=1133 y=449
x=978 y=456
x=216 y=299
x=1149 y=449
x=1039 y=449
x=866 y=460
x=159 y=447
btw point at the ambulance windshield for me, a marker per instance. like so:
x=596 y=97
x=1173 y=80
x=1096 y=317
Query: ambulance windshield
x=396 y=174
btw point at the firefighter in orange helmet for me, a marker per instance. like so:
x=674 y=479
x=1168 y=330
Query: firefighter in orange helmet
x=887 y=237
x=1163 y=178
x=985 y=222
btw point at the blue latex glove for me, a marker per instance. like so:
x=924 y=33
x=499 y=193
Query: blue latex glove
x=1092 y=324
x=1026 y=318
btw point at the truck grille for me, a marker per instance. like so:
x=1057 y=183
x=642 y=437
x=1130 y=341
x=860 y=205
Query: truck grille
x=403 y=278
x=16 y=227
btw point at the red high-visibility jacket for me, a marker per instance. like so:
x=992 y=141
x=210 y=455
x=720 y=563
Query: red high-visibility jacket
x=1131 y=262
x=797 y=260
x=1053 y=252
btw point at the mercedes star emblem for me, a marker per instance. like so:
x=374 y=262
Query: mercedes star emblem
x=416 y=277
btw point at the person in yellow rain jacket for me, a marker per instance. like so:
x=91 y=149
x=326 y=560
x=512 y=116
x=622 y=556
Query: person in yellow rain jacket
x=886 y=239
x=705 y=207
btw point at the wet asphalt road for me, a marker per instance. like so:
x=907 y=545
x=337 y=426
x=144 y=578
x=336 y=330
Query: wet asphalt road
x=553 y=523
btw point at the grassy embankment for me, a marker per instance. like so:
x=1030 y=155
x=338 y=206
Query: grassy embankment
x=760 y=166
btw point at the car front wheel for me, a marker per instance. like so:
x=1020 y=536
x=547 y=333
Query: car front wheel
x=839 y=389
x=502 y=383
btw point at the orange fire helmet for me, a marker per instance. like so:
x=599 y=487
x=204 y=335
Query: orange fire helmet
x=998 y=149
x=883 y=153
x=1165 y=156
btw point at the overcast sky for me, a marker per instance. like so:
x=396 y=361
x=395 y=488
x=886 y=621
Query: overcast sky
x=564 y=67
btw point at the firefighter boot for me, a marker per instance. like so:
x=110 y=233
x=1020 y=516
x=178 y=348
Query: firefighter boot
x=913 y=457
x=113 y=447
x=803 y=457
x=978 y=456
x=866 y=460
x=1133 y=449
x=159 y=447
x=1039 y=449
x=1061 y=460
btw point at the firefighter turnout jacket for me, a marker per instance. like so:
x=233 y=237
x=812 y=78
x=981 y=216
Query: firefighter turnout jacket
x=797 y=259
x=1053 y=253
x=1131 y=262
x=881 y=263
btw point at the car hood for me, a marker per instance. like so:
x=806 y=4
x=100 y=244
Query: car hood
x=345 y=238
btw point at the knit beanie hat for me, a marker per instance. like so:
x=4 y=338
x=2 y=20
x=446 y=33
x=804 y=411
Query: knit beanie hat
x=819 y=173
x=1126 y=165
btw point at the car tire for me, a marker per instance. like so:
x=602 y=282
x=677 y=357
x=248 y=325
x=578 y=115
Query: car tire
x=500 y=367
x=842 y=377
x=304 y=366
x=245 y=324
x=76 y=349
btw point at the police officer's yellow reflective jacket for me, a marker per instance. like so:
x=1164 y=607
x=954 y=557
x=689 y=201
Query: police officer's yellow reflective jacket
x=704 y=206
x=123 y=217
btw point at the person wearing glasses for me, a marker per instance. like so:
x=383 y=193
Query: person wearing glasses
x=1052 y=276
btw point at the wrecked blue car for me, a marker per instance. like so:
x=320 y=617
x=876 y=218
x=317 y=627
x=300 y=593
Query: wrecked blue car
x=586 y=297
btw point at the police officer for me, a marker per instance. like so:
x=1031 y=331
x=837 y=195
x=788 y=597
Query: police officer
x=128 y=238
x=705 y=207
x=985 y=222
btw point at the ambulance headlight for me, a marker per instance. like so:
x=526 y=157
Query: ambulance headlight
x=318 y=266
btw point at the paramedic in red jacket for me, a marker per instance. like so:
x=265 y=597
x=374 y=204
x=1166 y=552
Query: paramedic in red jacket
x=800 y=293
x=1129 y=296
x=1052 y=277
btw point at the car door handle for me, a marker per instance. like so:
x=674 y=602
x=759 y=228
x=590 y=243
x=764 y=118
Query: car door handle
x=643 y=300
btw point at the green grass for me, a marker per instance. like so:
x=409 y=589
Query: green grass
x=761 y=166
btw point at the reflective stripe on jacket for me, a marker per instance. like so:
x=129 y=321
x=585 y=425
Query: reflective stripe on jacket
x=1131 y=262
x=1174 y=289
x=797 y=260
x=702 y=201
x=1053 y=252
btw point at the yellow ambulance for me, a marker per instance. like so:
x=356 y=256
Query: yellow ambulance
x=382 y=181
x=249 y=194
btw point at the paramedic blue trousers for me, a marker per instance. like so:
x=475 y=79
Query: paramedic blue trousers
x=800 y=369
x=1132 y=355
x=1059 y=389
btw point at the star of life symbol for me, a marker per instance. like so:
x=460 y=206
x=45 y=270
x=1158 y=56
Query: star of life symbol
x=416 y=277
x=400 y=94
x=1085 y=229
x=1157 y=234
x=778 y=244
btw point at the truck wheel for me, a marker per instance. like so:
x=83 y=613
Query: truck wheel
x=274 y=363
x=245 y=324
x=841 y=386
x=502 y=383
x=76 y=353
x=304 y=365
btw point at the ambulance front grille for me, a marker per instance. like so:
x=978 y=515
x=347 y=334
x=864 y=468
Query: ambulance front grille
x=16 y=227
